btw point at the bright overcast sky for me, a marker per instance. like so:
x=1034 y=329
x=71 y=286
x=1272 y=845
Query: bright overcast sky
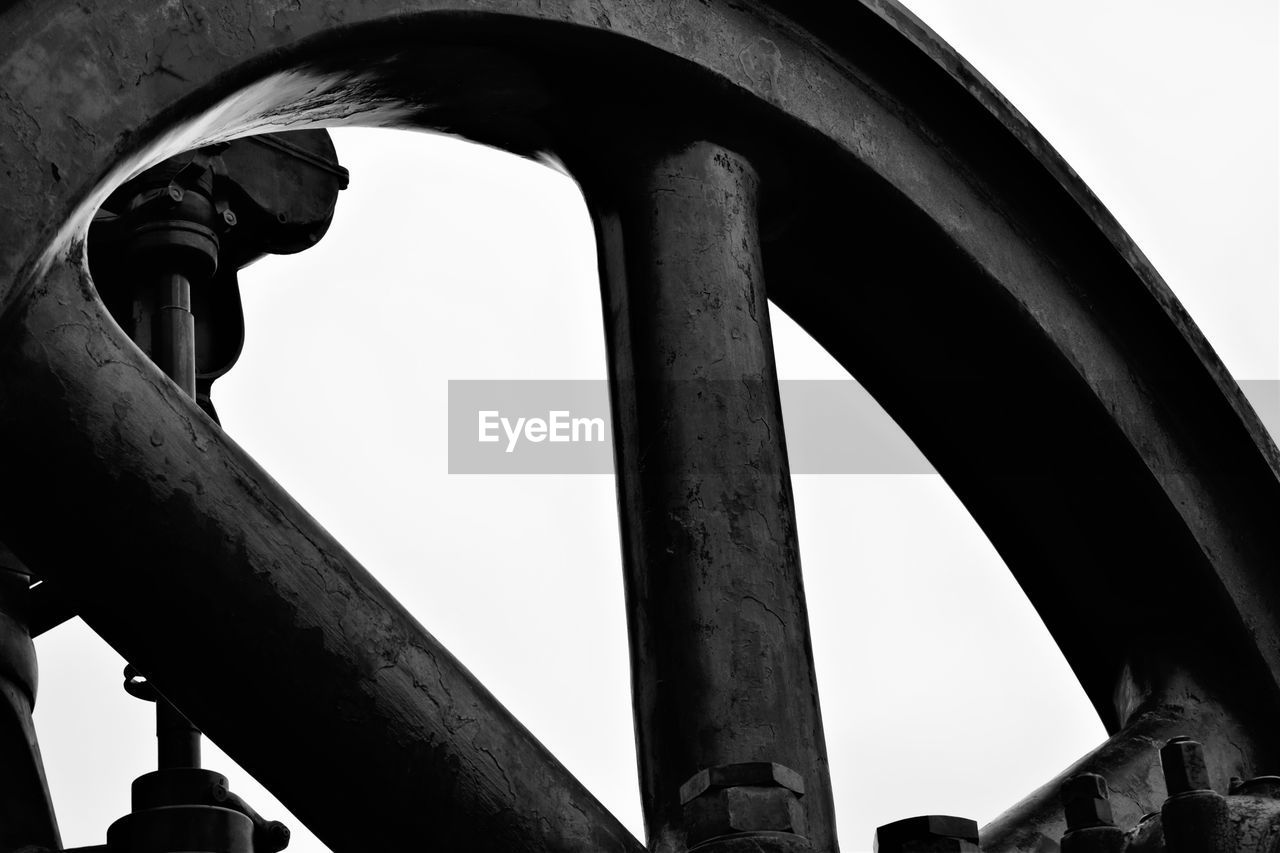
x=941 y=690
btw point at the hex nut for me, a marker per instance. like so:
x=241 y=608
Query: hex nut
x=1184 y=768
x=928 y=834
x=1084 y=786
x=1095 y=839
x=1085 y=802
x=741 y=809
x=1086 y=813
x=756 y=773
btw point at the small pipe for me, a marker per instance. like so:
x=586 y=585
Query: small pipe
x=175 y=331
x=177 y=741
x=173 y=349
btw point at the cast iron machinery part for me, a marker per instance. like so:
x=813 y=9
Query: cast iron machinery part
x=204 y=214
x=1194 y=818
x=1081 y=417
x=928 y=834
x=219 y=208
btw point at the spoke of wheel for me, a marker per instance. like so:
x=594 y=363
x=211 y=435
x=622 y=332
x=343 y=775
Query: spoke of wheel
x=937 y=248
x=251 y=618
x=726 y=703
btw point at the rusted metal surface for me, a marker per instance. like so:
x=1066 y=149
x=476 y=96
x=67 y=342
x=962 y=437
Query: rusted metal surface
x=976 y=289
x=725 y=698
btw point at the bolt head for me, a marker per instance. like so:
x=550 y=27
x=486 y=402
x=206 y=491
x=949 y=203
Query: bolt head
x=1084 y=800
x=1184 y=766
x=1088 y=812
x=1083 y=787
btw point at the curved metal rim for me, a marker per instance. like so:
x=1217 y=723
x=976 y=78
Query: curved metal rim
x=878 y=101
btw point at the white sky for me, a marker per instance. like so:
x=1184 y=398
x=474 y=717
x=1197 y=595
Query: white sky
x=941 y=690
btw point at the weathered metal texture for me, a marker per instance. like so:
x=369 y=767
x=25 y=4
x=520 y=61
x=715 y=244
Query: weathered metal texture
x=1091 y=826
x=1130 y=763
x=976 y=288
x=722 y=669
x=1197 y=816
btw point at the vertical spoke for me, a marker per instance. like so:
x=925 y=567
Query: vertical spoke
x=730 y=734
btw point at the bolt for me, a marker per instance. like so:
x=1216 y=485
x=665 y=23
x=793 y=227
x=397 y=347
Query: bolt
x=747 y=809
x=729 y=799
x=1085 y=802
x=176 y=193
x=1195 y=818
x=1184 y=769
x=759 y=773
x=229 y=217
x=928 y=834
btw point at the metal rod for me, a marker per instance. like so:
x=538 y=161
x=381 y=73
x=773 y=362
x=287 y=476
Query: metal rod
x=177 y=741
x=175 y=331
x=174 y=351
x=722 y=672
